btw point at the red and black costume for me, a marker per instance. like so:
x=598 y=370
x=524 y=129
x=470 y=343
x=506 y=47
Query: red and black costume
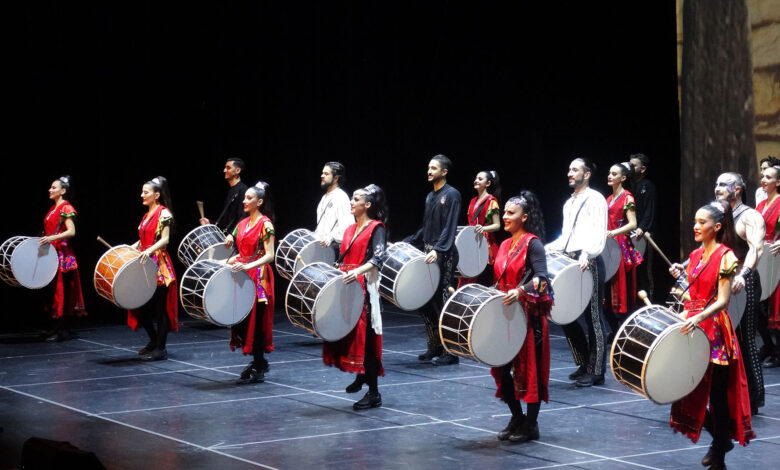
x=481 y=212
x=771 y=214
x=623 y=283
x=67 y=298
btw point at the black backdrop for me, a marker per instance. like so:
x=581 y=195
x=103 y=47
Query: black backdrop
x=115 y=93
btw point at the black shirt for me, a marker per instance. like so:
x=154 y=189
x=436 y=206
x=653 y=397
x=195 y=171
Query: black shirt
x=232 y=208
x=644 y=194
x=440 y=221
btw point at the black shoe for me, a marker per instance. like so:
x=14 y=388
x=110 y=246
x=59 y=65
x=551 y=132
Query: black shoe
x=764 y=352
x=432 y=352
x=156 y=355
x=771 y=362
x=254 y=376
x=715 y=456
x=588 y=380
x=355 y=386
x=511 y=428
x=147 y=349
x=582 y=370
x=446 y=359
x=525 y=433
x=53 y=337
x=369 y=400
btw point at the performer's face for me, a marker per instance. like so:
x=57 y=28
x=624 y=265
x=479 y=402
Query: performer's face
x=435 y=173
x=251 y=201
x=764 y=166
x=577 y=174
x=769 y=180
x=481 y=182
x=56 y=190
x=638 y=167
x=231 y=170
x=358 y=205
x=704 y=227
x=514 y=217
x=326 y=178
x=615 y=177
x=726 y=188
x=148 y=195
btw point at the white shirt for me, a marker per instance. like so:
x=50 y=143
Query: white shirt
x=760 y=195
x=333 y=216
x=590 y=233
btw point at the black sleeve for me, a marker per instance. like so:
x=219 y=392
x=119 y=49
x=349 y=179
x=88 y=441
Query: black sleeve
x=450 y=229
x=536 y=262
x=647 y=216
x=376 y=250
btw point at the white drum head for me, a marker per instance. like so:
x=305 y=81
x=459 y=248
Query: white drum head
x=215 y=253
x=611 y=256
x=229 y=296
x=498 y=332
x=572 y=289
x=769 y=271
x=737 y=307
x=337 y=309
x=313 y=252
x=416 y=284
x=135 y=283
x=472 y=251
x=676 y=364
x=34 y=266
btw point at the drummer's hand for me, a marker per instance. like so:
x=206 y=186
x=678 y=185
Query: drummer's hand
x=676 y=269
x=349 y=277
x=44 y=240
x=583 y=262
x=478 y=228
x=229 y=241
x=432 y=256
x=690 y=324
x=610 y=234
x=774 y=248
x=237 y=267
x=324 y=243
x=737 y=284
x=204 y=221
x=145 y=256
x=511 y=296
x=638 y=233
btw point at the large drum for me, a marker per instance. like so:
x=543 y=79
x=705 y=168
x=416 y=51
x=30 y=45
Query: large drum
x=204 y=242
x=736 y=308
x=121 y=277
x=407 y=280
x=298 y=249
x=318 y=301
x=653 y=358
x=211 y=291
x=476 y=324
x=572 y=287
x=611 y=256
x=769 y=271
x=25 y=263
x=472 y=251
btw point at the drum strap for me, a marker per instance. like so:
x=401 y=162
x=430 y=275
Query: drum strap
x=479 y=209
x=576 y=216
x=506 y=266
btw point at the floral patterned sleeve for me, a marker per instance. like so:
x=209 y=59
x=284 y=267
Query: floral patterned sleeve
x=728 y=265
x=493 y=208
x=630 y=203
x=268 y=231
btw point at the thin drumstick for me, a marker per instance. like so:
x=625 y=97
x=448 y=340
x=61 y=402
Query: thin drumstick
x=643 y=295
x=100 y=239
x=200 y=209
x=300 y=260
x=652 y=243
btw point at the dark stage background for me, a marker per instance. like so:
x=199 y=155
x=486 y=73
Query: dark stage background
x=117 y=93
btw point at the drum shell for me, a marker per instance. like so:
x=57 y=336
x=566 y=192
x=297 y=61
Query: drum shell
x=653 y=358
x=25 y=263
x=206 y=242
x=473 y=251
x=476 y=325
x=210 y=291
x=407 y=281
x=768 y=268
x=121 y=278
x=611 y=255
x=318 y=301
x=298 y=249
x=572 y=288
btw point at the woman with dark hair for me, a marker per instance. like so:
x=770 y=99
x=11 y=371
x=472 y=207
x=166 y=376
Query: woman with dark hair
x=58 y=227
x=769 y=326
x=621 y=221
x=362 y=256
x=484 y=214
x=254 y=238
x=710 y=269
x=154 y=233
x=521 y=272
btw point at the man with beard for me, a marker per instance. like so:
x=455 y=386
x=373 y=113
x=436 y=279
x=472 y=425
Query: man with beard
x=436 y=237
x=582 y=238
x=645 y=197
x=233 y=207
x=749 y=225
x=333 y=215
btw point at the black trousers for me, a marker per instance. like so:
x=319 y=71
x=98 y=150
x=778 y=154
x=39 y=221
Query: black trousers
x=432 y=310
x=591 y=352
x=153 y=316
x=746 y=334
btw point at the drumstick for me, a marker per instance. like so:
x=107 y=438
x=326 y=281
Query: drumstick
x=450 y=290
x=200 y=209
x=100 y=239
x=300 y=260
x=652 y=243
x=643 y=295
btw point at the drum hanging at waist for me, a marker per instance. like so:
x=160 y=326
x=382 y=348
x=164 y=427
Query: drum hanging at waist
x=300 y=248
x=211 y=291
x=25 y=263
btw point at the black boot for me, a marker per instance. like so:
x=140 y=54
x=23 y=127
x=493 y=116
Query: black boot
x=156 y=355
x=254 y=376
x=527 y=432
x=432 y=352
x=716 y=454
x=511 y=428
x=148 y=348
x=369 y=400
x=355 y=386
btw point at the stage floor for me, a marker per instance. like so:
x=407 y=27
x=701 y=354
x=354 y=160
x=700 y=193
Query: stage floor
x=186 y=412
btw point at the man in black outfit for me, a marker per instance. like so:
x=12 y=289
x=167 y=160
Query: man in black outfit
x=233 y=207
x=645 y=196
x=436 y=237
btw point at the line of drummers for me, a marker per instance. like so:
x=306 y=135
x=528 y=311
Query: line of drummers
x=686 y=353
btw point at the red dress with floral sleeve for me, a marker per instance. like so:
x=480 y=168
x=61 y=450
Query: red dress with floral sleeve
x=67 y=283
x=479 y=212
x=531 y=374
x=771 y=216
x=250 y=242
x=623 y=283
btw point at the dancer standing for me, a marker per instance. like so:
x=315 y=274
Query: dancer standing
x=484 y=213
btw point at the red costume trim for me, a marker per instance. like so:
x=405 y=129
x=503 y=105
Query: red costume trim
x=490 y=236
x=67 y=280
x=771 y=220
x=623 y=283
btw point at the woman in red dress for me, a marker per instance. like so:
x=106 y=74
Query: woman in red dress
x=621 y=221
x=254 y=237
x=362 y=256
x=521 y=272
x=154 y=234
x=484 y=212
x=769 y=325
x=58 y=227
x=710 y=269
